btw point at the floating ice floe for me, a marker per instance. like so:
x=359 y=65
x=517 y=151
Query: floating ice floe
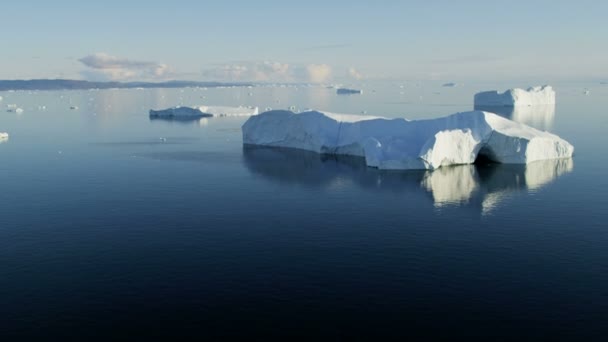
x=203 y=111
x=544 y=95
x=3 y=136
x=401 y=144
x=347 y=91
x=12 y=108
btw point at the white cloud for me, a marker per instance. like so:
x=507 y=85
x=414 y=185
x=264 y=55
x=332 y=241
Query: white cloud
x=353 y=73
x=318 y=73
x=106 y=67
x=251 y=71
x=267 y=71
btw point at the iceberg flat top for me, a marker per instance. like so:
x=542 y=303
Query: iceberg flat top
x=204 y=111
x=544 y=95
x=400 y=144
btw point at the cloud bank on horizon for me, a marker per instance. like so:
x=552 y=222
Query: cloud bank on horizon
x=106 y=67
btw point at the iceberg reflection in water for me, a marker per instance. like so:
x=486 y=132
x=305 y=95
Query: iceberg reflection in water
x=482 y=186
x=537 y=116
x=195 y=120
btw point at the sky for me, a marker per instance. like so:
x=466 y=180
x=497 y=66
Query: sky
x=306 y=41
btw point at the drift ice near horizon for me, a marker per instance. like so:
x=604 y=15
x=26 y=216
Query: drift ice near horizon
x=203 y=111
x=399 y=144
x=533 y=96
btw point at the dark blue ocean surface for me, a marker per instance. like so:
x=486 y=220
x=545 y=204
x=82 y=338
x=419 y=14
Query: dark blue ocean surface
x=114 y=226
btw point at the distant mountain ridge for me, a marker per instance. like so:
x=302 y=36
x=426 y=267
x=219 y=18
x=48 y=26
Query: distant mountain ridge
x=66 y=84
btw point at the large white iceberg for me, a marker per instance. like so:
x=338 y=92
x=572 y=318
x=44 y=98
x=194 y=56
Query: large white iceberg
x=532 y=96
x=401 y=144
x=203 y=111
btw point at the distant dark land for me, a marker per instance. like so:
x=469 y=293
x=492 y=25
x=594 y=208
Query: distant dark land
x=64 y=84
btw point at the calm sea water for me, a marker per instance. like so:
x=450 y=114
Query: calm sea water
x=113 y=225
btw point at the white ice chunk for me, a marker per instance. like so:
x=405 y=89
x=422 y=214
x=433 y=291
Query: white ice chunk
x=3 y=136
x=400 y=144
x=544 y=95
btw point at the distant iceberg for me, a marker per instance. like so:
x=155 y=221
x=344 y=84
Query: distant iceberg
x=347 y=91
x=3 y=136
x=401 y=144
x=449 y=85
x=203 y=111
x=178 y=112
x=544 y=95
x=13 y=108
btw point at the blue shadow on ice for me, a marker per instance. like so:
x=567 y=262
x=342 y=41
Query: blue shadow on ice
x=538 y=116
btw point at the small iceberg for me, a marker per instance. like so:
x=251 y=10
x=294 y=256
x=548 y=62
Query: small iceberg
x=203 y=111
x=449 y=85
x=400 y=144
x=532 y=96
x=3 y=136
x=347 y=91
x=178 y=112
x=12 y=108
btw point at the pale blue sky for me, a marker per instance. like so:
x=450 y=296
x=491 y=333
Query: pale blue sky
x=305 y=40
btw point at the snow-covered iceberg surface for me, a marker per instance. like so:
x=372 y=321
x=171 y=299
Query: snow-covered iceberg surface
x=401 y=144
x=347 y=91
x=544 y=95
x=203 y=111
